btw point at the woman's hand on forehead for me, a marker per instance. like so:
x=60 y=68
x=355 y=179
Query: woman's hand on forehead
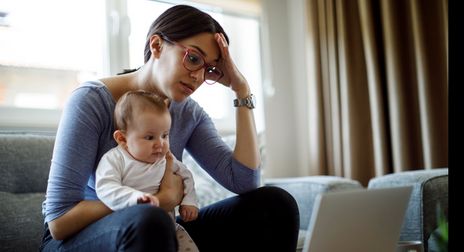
x=232 y=77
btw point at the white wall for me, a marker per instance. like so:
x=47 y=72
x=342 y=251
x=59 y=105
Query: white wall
x=286 y=92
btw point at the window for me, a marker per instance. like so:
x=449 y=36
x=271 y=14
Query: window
x=48 y=47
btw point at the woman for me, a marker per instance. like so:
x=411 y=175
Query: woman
x=185 y=47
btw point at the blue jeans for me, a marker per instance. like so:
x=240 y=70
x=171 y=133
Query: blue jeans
x=136 y=228
x=264 y=219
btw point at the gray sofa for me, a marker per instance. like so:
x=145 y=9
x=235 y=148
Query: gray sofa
x=25 y=160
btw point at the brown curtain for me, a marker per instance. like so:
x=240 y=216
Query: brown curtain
x=382 y=81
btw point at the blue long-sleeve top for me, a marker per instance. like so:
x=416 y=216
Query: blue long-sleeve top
x=85 y=133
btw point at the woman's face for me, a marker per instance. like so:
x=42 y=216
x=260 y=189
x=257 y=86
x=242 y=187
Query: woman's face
x=175 y=80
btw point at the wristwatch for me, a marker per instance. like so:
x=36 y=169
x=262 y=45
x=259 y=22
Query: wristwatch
x=248 y=101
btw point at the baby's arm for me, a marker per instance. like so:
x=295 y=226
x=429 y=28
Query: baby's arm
x=188 y=208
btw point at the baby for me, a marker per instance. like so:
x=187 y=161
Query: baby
x=131 y=172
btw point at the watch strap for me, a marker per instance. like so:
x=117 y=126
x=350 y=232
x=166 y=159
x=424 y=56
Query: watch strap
x=247 y=102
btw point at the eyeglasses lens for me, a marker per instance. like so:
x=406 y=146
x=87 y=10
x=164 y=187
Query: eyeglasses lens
x=193 y=62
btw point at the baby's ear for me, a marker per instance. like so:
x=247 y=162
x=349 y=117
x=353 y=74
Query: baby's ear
x=120 y=137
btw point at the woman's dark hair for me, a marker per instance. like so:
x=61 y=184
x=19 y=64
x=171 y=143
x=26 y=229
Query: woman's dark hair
x=180 y=22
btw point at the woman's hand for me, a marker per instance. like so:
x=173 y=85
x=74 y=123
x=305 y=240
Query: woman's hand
x=172 y=188
x=232 y=77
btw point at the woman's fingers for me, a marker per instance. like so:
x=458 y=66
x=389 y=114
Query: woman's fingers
x=222 y=39
x=169 y=156
x=169 y=163
x=232 y=77
x=223 y=49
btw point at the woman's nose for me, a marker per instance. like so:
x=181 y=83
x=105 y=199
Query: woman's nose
x=198 y=75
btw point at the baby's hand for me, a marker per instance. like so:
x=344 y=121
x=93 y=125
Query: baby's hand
x=188 y=213
x=148 y=198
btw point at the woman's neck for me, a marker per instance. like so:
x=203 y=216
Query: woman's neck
x=120 y=84
x=145 y=80
x=140 y=79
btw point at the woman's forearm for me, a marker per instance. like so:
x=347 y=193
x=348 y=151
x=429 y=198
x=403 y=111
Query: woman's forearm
x=246 y=147
x=80 y=216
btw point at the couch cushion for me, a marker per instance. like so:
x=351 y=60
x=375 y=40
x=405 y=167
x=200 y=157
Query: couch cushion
x=306 y=189
x=25 y=162
x=207 y=189
x=21 y=221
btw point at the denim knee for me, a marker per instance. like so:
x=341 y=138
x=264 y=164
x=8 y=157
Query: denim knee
x=276 y=197
x=279 y=219
x=148 y=229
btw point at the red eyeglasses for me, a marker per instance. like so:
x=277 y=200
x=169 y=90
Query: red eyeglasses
x=194 y=61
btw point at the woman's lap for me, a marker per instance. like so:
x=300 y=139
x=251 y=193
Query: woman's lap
x=136 y=228
x=264 y=219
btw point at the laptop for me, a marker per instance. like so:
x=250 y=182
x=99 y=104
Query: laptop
x=361 y=220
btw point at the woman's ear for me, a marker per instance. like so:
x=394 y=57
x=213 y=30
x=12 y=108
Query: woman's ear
x=120 y=137
x=156 y=45
x=167 y=102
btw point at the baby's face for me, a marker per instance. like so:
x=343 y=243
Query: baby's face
x=148 y=136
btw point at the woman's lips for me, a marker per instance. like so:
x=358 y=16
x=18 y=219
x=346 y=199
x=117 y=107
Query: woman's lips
x=187 y=88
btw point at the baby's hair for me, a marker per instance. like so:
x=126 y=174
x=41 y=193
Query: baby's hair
x=136 y=100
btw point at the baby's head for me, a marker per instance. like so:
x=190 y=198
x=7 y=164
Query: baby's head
x=142 y=125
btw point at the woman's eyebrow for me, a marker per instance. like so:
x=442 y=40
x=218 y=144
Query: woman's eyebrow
x=202 y=52
x=199 y=49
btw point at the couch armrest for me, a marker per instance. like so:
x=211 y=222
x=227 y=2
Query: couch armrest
x=430 y=188
x=305 y=190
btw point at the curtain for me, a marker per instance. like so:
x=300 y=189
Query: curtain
x=382 y=86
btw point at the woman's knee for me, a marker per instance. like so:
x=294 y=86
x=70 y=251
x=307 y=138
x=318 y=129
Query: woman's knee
x=147 y=216
x=149 y=228
x=268 y=204
x=275 y=218
x=277 y=197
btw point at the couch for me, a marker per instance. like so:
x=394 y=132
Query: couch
x=25 y=161
x=430 y=191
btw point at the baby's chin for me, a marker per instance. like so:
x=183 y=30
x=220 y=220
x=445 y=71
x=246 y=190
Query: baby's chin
x=156 y=158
